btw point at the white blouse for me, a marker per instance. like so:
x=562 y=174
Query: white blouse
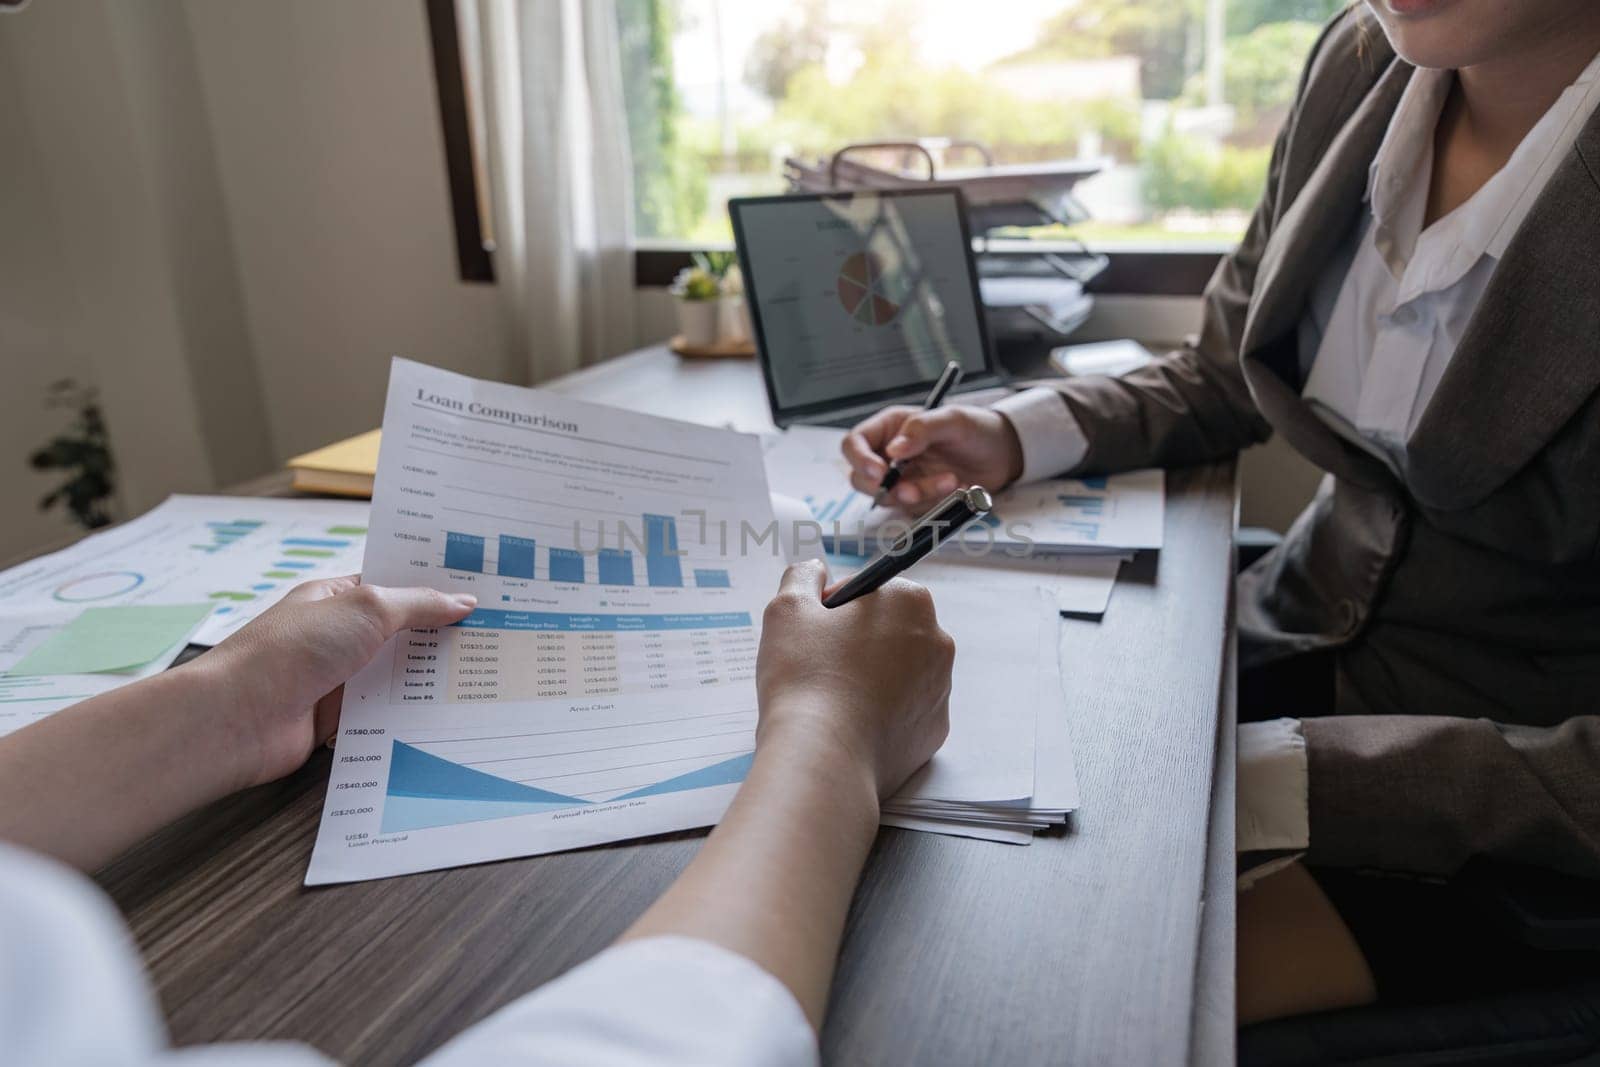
x=72 y=992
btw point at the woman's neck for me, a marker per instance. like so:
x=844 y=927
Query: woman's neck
x=1503 y=98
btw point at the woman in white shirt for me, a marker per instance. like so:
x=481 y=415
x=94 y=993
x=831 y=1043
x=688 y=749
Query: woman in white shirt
x=730 y=966
x=1415 y=308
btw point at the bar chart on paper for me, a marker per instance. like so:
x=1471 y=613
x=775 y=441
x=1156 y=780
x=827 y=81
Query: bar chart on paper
x=655 y=546
x=604 y=686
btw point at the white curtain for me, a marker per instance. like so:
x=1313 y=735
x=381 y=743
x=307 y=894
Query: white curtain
x=556 y=148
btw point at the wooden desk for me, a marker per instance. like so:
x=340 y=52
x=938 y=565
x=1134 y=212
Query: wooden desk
x=1109 y=943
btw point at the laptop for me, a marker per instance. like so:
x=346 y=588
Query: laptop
x=858 y=299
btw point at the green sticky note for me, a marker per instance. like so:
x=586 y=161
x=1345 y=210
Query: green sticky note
x=113 y=639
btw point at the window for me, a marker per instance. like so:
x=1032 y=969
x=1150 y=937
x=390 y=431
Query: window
x=1178 y=99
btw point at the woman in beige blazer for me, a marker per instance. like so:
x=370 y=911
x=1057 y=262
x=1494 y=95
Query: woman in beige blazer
x=1416 y=309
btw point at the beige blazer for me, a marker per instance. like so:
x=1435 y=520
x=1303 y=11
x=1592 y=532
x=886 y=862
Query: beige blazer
x=1461 y=598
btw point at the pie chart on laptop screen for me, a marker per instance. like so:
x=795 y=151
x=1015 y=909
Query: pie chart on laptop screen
x=861 y=290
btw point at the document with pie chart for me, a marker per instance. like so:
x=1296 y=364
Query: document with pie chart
x=861 y=294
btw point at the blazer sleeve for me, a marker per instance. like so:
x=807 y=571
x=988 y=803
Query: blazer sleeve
x=1192 y=405
x=1423 y=794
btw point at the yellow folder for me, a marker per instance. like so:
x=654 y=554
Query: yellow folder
x=345 y=468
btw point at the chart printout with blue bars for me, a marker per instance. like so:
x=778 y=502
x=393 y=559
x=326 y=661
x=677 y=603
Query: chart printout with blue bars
x=604 y=686
x=516 y=558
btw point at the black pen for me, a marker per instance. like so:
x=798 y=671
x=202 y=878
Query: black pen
x=930 y=531
x=947 y=380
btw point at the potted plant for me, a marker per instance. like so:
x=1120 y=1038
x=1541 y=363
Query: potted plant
x=698 y=290
x=82 y=453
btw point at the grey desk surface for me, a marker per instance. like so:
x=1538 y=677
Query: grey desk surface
x=1111 y=942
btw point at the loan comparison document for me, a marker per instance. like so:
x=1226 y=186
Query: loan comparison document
x=605 y=686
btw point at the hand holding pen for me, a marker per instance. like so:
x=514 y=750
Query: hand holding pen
x=948 y=378
x=936 y=452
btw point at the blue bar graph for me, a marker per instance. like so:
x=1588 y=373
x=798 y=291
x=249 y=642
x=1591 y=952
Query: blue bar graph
x=1089 y=505
x=711 y=579
x=321 y=542
x=516 y=557
x=566 y=565
x=294 y=565
x=616 y=567
x=661 y=563
x=463 y=552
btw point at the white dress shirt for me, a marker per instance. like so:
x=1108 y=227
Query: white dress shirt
x=1381 y=326
x=72 y=992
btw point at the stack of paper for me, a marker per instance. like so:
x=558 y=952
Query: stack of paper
x=122 y=604
x=1006 y=770
x=1114 y=515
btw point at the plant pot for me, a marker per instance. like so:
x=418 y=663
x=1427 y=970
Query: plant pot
x=697 y=322
x=733 y=320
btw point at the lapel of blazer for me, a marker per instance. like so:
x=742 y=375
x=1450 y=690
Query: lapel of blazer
x=1313 y=225
x=1531 y=354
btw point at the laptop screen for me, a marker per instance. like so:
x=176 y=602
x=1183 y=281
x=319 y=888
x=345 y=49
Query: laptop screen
x=856 y=297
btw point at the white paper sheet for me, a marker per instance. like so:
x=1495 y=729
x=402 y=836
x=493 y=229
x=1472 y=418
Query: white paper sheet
x=1008 y=835
x=1081 y=584
x=1055 y=791
x=994 y=698
x=243 y=553
x=597 y=693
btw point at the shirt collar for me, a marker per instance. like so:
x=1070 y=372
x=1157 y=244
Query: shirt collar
x=1399 y=176
x=1537 y=157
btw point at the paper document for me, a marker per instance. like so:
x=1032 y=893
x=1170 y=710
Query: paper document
x=1080 y=585
x=1007 y=722
x=241 y=554
x=27 y=698
x=1116 y=514
x=804 y=462
x=1106 y=514
x=994 y=700
x=605 y=687
x=120 y=638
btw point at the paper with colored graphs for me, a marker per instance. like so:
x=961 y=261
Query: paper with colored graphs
x=109 y=639
x=51 y=659
x=1116 y=514
x=240 y=554
x=605 y=686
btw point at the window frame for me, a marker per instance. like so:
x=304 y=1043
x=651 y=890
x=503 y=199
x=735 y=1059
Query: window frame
x=1129 y=272
x=1154 y=271
x=474 y=250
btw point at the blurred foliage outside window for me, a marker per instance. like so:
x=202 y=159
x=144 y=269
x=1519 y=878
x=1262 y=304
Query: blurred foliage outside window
x=720 y=91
